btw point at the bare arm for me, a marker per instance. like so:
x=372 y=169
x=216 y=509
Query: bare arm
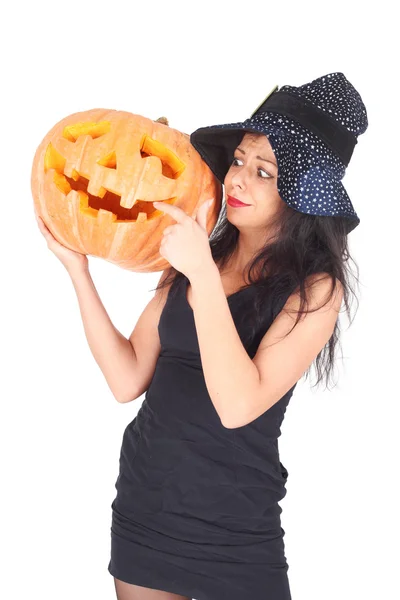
x=112 y=351
x=242 y=388
x=127 y=368
x=127 y=365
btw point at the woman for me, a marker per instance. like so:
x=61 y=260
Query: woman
x=234 y=324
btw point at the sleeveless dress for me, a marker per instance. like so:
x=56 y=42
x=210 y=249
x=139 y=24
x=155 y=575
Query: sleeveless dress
x=196 y=511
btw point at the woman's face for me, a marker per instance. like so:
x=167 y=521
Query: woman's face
x=252 y=178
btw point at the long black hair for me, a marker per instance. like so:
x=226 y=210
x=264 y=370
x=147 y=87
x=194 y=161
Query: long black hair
x=303 y=245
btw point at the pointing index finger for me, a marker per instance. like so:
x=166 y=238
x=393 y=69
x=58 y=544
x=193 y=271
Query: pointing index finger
x=177 y=213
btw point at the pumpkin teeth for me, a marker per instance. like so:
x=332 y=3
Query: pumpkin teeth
x=106 y=200
x=142 y=217
x=102 y=192
x=62 y=183
x=90 y=204
x=84 y=205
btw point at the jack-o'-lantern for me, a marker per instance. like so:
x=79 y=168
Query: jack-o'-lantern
x=96 y=174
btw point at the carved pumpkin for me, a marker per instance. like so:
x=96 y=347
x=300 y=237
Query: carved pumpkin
x=96 y=174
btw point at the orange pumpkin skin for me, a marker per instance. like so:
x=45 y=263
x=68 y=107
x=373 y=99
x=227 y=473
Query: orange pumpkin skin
x=96 y=174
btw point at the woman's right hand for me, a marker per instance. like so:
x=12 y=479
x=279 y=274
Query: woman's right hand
x=71 y=260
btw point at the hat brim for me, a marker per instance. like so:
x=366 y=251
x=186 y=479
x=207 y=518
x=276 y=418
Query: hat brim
x=301 y=184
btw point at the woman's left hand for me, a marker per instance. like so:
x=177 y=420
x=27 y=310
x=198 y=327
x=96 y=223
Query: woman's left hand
x=185 y=245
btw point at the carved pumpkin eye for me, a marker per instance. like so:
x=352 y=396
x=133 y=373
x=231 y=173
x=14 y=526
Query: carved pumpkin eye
x=55 y=160
x=95 y=130
x=94 y=181
x=172 y=167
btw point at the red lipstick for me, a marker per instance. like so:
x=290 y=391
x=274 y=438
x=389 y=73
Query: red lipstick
x=235 y=202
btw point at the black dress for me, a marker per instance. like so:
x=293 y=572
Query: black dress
x=196 y=511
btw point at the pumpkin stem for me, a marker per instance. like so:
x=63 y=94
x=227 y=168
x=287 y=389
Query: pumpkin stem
x=162 y=120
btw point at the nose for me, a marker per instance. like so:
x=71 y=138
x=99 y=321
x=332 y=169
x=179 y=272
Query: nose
x=238 y=179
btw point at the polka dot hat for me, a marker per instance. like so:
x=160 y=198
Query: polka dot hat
x=312 y=130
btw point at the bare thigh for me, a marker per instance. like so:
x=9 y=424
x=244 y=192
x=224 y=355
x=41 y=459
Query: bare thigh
x=128 y=591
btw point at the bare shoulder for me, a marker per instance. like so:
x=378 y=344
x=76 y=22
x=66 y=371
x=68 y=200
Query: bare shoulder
x=287 y=350
x=322 y=293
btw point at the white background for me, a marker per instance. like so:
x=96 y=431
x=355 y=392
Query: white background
x=61 y=429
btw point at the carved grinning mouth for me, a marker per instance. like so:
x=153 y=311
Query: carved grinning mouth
x=172 y=167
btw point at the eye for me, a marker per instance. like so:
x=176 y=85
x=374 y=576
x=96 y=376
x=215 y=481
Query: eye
x=266 y=175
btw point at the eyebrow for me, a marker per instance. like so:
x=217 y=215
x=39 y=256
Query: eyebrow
x=260 y=157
